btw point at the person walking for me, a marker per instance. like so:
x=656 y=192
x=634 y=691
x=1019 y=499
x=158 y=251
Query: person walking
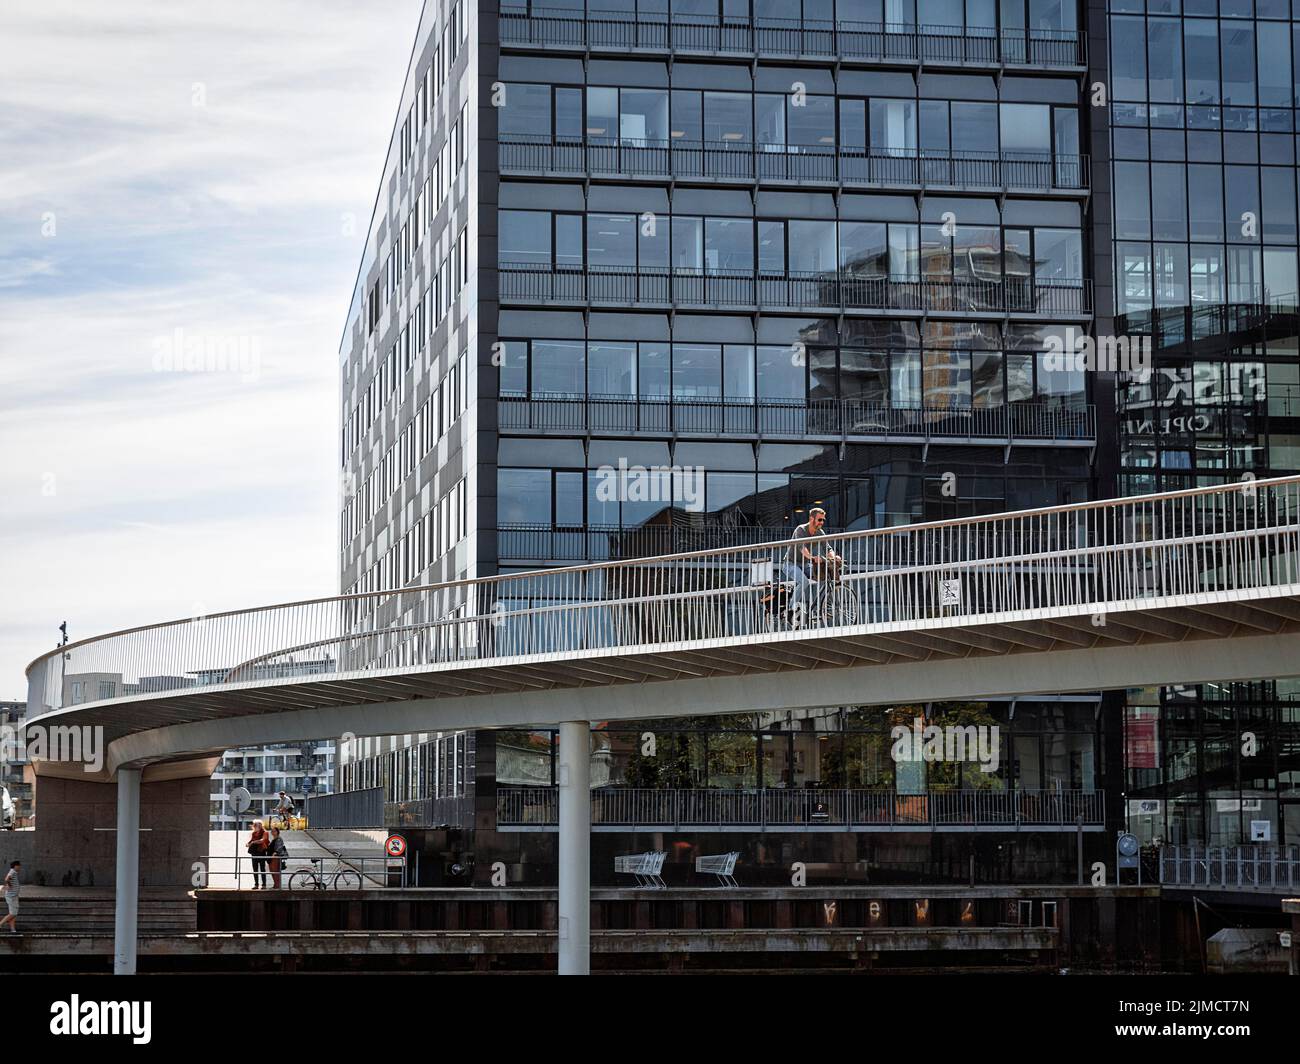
x=258 y=843
x=11 y=888
x=278 y=852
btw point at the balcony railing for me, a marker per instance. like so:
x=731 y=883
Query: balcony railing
x=1265 y=868
x=739 y=161
x=844 y=40
x=536 y=282
x=805 y=807
x=814 y=417
x=537 y=543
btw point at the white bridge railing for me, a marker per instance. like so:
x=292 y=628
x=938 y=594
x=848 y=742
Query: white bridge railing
x=1098 y=557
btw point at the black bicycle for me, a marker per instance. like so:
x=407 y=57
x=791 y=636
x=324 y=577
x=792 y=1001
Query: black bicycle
x=828 y=601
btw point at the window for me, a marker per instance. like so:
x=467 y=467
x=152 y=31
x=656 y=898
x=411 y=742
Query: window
x=558 y=368
x=812 y=247
x=611 y=369
x=525 y=237
x=1024 y=127
x=526 y=110
x=612 y=240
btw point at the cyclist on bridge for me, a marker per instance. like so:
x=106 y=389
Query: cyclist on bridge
x=802 y=557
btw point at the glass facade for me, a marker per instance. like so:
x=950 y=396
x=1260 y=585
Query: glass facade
x=1202 y=138
x=822 y=251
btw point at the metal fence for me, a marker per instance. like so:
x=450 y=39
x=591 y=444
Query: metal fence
x=803 y=807
x=795 y=418
x=454 y=812
x=347 y=809
x=740 y=161
x=367 y=808
x=545 y=282
x=893 y=42
x=332 y=870
x=1265 y=868
x=1200 y=545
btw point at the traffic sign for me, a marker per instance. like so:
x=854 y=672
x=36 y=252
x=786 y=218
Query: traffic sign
x=395 y=846
x=240 y=800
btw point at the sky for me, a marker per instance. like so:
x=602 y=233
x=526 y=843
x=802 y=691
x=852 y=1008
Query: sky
x=185 y=189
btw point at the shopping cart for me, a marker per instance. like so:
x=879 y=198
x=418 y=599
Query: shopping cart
x=722 y=865
x=645 y=866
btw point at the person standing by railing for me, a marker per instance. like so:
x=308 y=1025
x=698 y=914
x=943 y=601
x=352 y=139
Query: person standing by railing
x=257 y=846
x=278 y=853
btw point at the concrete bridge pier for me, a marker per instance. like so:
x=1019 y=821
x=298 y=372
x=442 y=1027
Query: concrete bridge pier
x=127 y=903
x=575 y=848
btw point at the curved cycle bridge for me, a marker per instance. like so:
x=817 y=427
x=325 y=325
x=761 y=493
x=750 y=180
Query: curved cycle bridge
x=1179 y=587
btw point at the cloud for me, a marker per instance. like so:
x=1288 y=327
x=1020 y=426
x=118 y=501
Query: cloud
x=174 y=178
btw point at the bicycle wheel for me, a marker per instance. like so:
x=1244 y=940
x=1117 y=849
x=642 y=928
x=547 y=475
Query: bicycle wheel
x=303 y=879
x=347 y=879
x=842 y=606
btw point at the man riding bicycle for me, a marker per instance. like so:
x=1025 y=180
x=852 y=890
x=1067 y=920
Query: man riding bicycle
x=285 y=809
x=805 y=562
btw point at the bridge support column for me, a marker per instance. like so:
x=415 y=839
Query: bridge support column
x=575 y=848
x=127 y=890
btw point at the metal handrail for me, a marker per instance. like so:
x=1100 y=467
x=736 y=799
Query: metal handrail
x=805 y=806
x=974 y=45
x=1253 y=867
x=528 y=282
x=382 y=868
x=1242 y=488
x=1084 y=557
x=528 y=152
x=810 y=417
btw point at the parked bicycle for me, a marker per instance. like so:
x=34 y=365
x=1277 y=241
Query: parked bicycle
x=344 y=877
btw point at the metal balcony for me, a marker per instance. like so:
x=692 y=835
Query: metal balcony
x=1042 y=173
x=622 y=286
x=891 y=43
x=834 y=418
x=803 y=808
x=596 y=544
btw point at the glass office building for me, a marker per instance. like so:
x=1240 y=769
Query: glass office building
x=1202 y=142
x=820 y=252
